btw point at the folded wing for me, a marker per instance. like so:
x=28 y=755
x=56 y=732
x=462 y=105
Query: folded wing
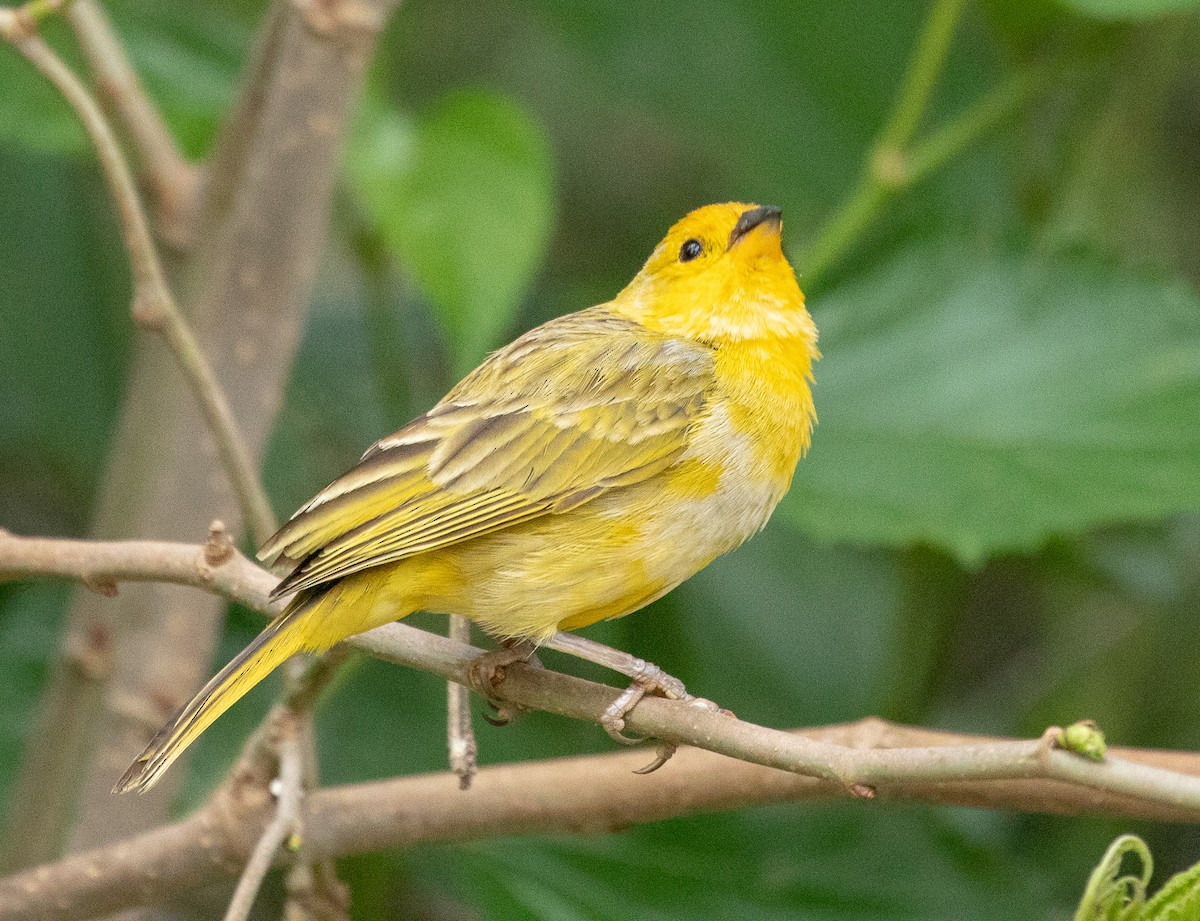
x=583 y=404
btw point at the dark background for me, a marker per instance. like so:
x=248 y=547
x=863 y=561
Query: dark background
x=996 y=528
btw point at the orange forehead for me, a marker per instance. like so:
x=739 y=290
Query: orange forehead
x=711 y=224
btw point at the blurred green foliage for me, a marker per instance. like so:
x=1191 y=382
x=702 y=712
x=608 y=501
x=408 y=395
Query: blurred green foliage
x=982 y=402
x=464 y=200
x=997 y=525
x=1112 y=895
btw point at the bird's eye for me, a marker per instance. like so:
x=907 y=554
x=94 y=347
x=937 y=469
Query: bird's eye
x=690 y=250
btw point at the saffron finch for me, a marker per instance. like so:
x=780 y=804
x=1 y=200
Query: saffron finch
x=578 y=474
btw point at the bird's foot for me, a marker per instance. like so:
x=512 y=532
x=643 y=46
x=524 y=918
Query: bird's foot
x=648 y=678
x=487 y=671
x=660 y=683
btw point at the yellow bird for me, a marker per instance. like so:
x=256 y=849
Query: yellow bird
x=578 y=474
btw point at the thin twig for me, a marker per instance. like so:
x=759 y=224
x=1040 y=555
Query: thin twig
x=885 y=171
x=284 y=826
x=106 y=563
x=924 y=69
x=997 y=106
x=153 y=304
x=314 y=893
x=171 y=183
x=895 y=162
x=286 y=735
x=290 y=141
x=460 y=733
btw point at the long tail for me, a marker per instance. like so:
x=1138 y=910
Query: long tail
x=284 y=636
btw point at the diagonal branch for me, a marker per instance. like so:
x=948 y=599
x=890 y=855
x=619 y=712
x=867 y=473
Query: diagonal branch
x=93 y=649
x=244 y=284
x=154 y=305
x=171 y=183
x=859 y=772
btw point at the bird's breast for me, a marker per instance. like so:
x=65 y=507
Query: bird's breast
x=739 y=463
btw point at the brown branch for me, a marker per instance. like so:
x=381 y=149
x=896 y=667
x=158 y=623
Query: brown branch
x=58 y=749
x=460 y=733
x=314 y=892
x=154 y=305
x=312 y=886
x=288 y=790
x=1168 y=793
x=245 y=286
x=170 y=183
x=585 y=795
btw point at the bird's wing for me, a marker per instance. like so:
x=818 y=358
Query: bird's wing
x=583 y=404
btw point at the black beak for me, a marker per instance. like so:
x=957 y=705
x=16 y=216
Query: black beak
x=751 y=219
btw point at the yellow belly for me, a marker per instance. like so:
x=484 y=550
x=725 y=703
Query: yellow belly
x=625 y=548
x=602 y=560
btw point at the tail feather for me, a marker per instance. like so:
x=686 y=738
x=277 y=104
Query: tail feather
x=281 y=639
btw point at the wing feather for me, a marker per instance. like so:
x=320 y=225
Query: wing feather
x=584 y=404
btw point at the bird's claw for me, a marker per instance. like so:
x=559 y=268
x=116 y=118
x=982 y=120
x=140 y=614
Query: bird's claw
x=648 y=678
x=487 y=671
x=665 y=751
x=613 y=718
x=504 y=713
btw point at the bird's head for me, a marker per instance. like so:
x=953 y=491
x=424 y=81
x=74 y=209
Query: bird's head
x=720 y=275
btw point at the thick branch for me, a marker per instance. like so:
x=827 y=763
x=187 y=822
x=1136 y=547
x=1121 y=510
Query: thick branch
x=58 y=749
x=585 y=795
x=244 y=285
x=153 y=303
x=860 y=772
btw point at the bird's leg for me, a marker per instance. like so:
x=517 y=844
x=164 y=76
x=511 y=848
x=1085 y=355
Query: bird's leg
x=487 y=668
x=647 y=677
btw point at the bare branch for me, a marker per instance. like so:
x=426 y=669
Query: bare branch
x=314 y=893
x=288 y=789
x=171 y=183
x=153 y=303
x=245 y=286
x=861 y=773
x=586 y=795
x=215 y=566
x=460 y=734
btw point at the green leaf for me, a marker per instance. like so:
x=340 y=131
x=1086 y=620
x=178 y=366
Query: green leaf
x=1178 y=899
x=32 y=113
x=465 y=199
x=1113 y=896
x=984 y=403
x=1109 y=895
x=767 y=864
x=1130 y=9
